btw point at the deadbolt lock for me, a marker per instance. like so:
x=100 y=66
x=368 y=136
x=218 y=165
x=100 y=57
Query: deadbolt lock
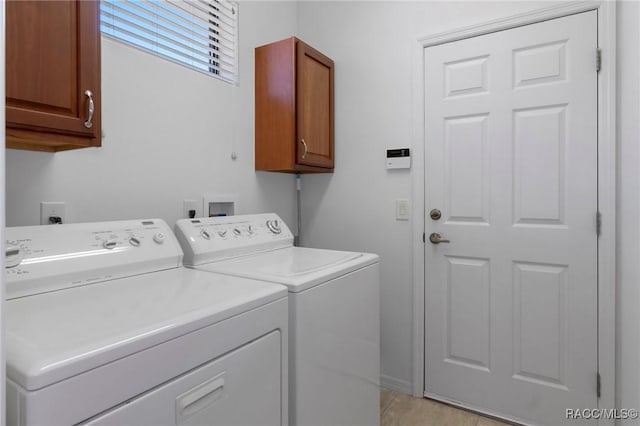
x=435 y=214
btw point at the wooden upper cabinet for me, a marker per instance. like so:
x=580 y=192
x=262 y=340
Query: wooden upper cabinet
x=53 y=74
x=294 y=108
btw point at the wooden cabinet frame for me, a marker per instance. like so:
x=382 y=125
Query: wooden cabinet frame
x=53 y=58
x=294 y=85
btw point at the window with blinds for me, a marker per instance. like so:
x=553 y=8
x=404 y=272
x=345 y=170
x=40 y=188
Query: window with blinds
x=200 y=34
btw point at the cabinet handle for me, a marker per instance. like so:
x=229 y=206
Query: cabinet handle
x=304 y=154
x=88 y=124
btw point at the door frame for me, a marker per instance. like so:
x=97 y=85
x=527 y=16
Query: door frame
x=606 y=180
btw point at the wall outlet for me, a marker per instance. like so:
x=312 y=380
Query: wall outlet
x=53 y=212
x=191 y=207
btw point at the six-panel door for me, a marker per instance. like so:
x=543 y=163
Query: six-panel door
x=511 y=161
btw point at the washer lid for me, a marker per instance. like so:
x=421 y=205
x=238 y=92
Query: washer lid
x=299 y=268
x=53 y=336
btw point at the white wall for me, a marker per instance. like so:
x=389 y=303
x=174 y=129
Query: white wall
x=169 y=136
x=371 y=44
x=628 y=253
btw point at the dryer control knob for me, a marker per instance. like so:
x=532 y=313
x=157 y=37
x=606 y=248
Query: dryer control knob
x=110 y=244
x=135 y=241
x=159 y=238
x=237 y=231
x=12 y=256
x=205 y=234
x=222 y=233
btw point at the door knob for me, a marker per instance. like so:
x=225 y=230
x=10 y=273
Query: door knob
x=436 y=238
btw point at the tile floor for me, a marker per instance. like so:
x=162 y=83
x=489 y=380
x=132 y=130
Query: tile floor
x=398 y=409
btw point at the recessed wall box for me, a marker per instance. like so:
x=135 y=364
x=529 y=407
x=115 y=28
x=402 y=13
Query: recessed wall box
x=398 y=158
x=219 y=205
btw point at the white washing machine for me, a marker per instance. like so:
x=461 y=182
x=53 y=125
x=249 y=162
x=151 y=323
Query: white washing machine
x=104 y=327
x=334 y=320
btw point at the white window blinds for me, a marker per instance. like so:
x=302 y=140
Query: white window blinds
x=200 y=34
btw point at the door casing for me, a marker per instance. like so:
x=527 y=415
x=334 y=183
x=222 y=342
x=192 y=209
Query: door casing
x=606 y=180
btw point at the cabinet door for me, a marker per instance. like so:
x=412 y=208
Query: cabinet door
x=53 y=58
x=314 y=87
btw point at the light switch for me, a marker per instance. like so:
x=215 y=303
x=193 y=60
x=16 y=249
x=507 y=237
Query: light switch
x=402 y=209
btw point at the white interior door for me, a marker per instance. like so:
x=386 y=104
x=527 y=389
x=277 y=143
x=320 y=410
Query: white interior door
x=511 y=163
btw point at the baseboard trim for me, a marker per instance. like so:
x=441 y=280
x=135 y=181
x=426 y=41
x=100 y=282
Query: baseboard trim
x=396 y=385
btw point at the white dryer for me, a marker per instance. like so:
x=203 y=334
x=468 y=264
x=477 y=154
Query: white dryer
x=104 y=327
x=334 y=321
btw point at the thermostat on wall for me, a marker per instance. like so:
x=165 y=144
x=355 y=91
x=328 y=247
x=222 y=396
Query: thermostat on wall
x=398 y=158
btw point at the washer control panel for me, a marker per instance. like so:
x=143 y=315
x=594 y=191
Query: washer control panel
x=215 y=238
x=46 y=258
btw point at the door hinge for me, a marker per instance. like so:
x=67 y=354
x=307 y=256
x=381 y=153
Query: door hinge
x=598 y=384
x=598 y=59
x=424 y=238
x=598 y=223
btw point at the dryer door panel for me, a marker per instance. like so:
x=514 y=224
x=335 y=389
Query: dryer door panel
x=240 y=388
